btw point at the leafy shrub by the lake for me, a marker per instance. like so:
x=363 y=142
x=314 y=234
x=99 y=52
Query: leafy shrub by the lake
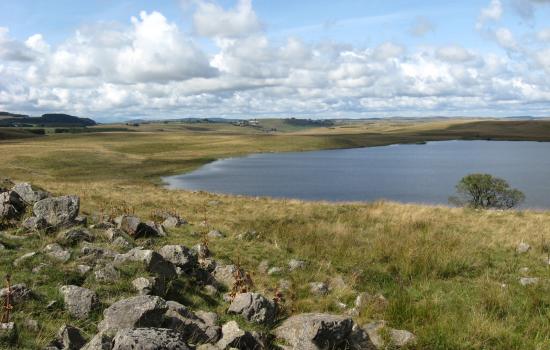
x=484 y=191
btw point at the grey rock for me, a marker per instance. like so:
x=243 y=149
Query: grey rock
x=11 y=205
x=34 y=224
x=295 y=264
x=225 y=274
x=285 y=285
x=210 y=290
x=55 y=251
x=20 y=260
x=397 y=338
x=19 y=293
x=58 y=211
x=315 y=331
x=153 y=261
x=179 y=255
x=79 y=301
x=81 y=220
x=39 y=268
x=275 y=270
x=93 y=252
x=99 y=342
x=28 y=194
x=318 y=288
x=149 y=286
x=69 y=338
x=83 y=269
x=171 y=221
x=133 y=226
x=254 y=307
x=112 y=233
x=139 y=311
x=148 y=339
x=215 y=234
x=528 y=281
x=235 y=337
x=195 y=329
x=122 y=243
x=75 y=235
x=523 y=248
x=106 y=273
x=263 y=266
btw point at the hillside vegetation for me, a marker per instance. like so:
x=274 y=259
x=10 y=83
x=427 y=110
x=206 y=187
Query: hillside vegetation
x=451 y=276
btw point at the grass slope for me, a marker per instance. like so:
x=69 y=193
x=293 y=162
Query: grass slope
x=450 y=275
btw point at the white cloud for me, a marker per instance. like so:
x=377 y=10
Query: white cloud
x=12 y=50
x=211 y=20
x=544 y=35
x=454 y=53
x=505 y=39
x=493 y=12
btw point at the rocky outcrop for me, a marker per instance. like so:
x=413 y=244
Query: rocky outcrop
x=11 y=205
x=28 y=193
x=149 y=339
x=139 y=311
x=79 y=301
x=254 y=307
x=57 y=212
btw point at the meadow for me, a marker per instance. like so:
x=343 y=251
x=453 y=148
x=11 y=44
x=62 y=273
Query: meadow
x=450 y=275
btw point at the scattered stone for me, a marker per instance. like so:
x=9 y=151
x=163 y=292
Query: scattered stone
x=133 y=226
x=225 y=274
x=172 y=221
x=322 y=331
x=337 y=283
x=527 y=281
x=249 y=235
x=139 y=311
x=318 y=288
x=263 y=266
x=179 y=255
x=148 y=286
x=294 y=264
x=19 y=293
x=202 y=251
x=83 y=269
x=112 y=233
x=28 y=194
x=58 y=211
x=523 y=248
x=285 y=284
x=68 y=338
x=81 y=220
x=254 y=307
x=75 y=236
x=34 y=224
x=8 y=331
x=210 y=290
x=79 y=301
x=275 y=271
x=215 y=234
x=194 y=328
x=106 y=273
x=340 y=305
x=397 y=338
x=99 y=342
x=524 y=270
x=234 y=337
x=23 y=258
x=364 y=299
x=153 y=261
x=56 y=252
x=94 y=253
x=51 y=305
x=122 y=243
x=148 y=339
x=39 y=268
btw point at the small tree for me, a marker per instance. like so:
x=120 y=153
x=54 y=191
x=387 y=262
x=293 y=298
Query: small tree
x=486 y=191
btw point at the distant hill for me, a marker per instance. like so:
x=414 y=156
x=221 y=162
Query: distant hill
x=46 y=120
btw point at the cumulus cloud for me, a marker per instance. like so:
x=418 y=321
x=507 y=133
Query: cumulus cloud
x=212 y=20
x=12 y=50
x=505 y=39
x=493 y=12
x=454 y=53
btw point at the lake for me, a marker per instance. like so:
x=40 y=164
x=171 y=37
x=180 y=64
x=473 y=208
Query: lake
x=407 y=173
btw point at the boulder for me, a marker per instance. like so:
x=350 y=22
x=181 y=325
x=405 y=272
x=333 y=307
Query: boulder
x=149 y=339
x=121 y=242
x=68 y=338
x=34 y=224
x=149 y=286
x=99 y=342
x=179 y=255
x=83 y=269
x=93 y=252
x=55 y=251
x=234 y=337
x=19 y=293
x=133 y=226
x=74 y=236
x=28 y=194
x=106 y=273
x=153 y=261
x=195 y=328
x=58 y=211
x=172 y=221
x=112 y=233
x=225 y=274
x=254 y=307
x=384 y=337
x=11 y=205
x=139 y=311
x=79 y=301
x=322 y=331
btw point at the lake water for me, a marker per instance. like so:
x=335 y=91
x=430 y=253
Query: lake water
x=406 y=173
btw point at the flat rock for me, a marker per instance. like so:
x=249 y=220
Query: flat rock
x=528 y=281
x=139 y=311
x=99 y=342
x=318 y=288
x=79 y=301
x=254 y=307
x=106 y=273
x=69 y=338
x=20 y=260
x=295 y=264
x=149 y=339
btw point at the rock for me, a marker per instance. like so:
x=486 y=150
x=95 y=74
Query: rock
x=337 y=283
x=81 y=220
x=69 y=338
x=8 y=332
x=194 y=329
x=148 y=339
x=321 y=331
x=51 y=305
x=275 y=271
x=112 y=233
x=179 y=255
x=397 y=338
x=153 y=261
x=34 y=224
x=156 y=227
x=94 y=253
x=149 y=286
x=202 y=251
x=263 y=266
x=249 y=235
x=99 y=342
x=38 y=268
x=19 y=293
x=58 y=211
x=28 y=194
x=254 y=307
x=106 y=273
x=139 y=311
x=79 y=301
x=75 y=236
x=285 y=285
x=23 y=258
x=318 y=288
x=210 y=290
x=225 y=274
x=295 y=264
x=172 y=221
x=83 y=269
x=234 y=337
x=11 y=205
x=524 y=270
x=2 y=247
x=215 y=234
x=523 y=248
x=133 y=226
x=32 y=325
x=55 y=251
x=527 y=281
x=364 y=299
x=122 y=243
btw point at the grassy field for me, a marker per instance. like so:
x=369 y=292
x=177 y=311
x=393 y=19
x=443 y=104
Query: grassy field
x=451 y=276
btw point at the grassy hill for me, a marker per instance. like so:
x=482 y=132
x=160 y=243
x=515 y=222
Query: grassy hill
x=451 y=276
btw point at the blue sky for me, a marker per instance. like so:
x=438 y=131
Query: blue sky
x=123 y=59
